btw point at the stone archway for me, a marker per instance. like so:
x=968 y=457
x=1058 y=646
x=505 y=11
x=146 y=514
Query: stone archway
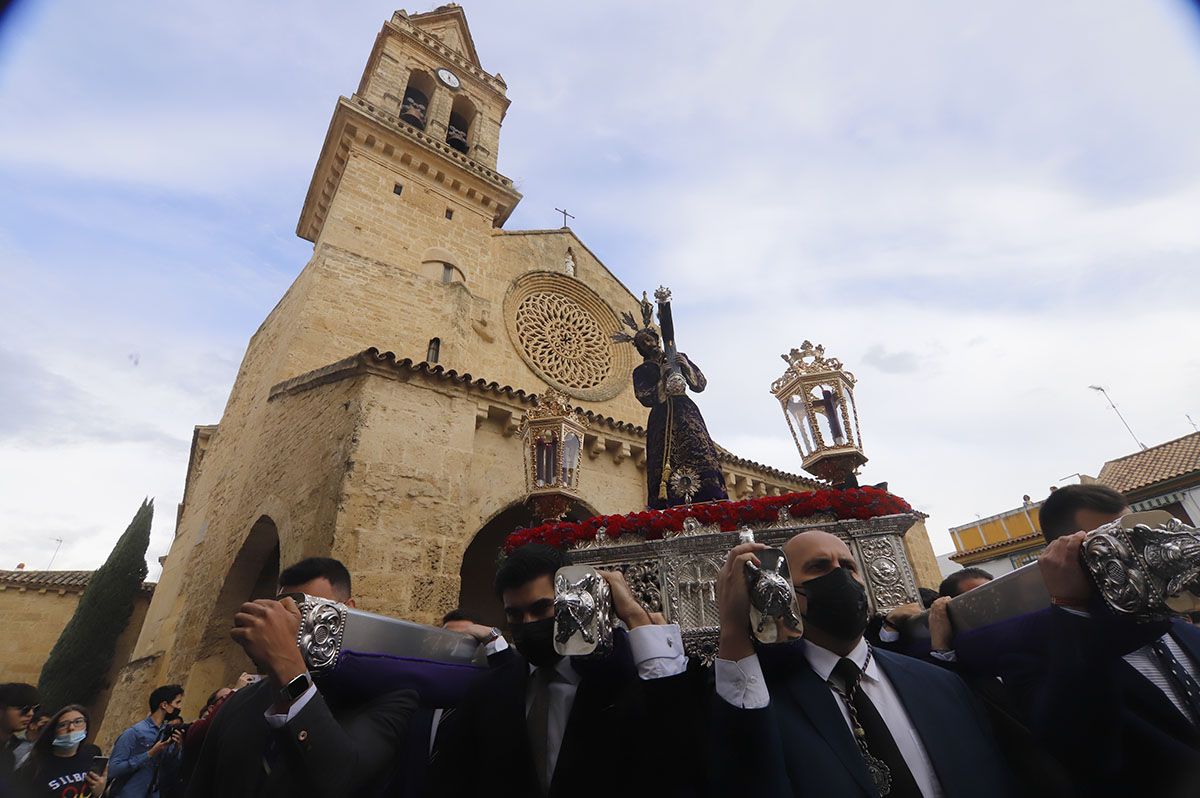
x=253 y=575
x=478 y=571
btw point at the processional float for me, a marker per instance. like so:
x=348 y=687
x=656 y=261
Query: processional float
x=1146 y=565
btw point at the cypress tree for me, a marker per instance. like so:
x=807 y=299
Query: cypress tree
x=77 y=668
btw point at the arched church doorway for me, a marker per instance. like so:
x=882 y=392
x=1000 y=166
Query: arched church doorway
x=253 y=575
x=478 y=572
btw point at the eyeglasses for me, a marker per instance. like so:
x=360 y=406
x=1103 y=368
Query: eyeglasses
x=74 y=723
x=29 y=709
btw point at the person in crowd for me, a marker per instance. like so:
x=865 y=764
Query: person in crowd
x=140 y=752
x=18 y=705
x=545 y=725
x=280 y=736
x=63 y=764
x=214 y=700
x=1118 y=702
x=193 y=738
x=431 y=726
x=961 y=581
x=830 y=714
x=29 y=736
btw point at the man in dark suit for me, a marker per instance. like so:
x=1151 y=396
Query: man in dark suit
x=829 y=715
x=1117 y=702
x=545 y=725
x=280 y=736
x=430 y=727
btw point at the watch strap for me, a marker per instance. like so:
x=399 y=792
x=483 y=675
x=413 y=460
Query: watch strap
x=292 y=691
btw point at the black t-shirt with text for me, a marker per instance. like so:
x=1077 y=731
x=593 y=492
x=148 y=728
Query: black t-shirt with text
x=61 y=776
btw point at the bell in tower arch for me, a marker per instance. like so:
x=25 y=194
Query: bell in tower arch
x=414 y=106
x=456 y=133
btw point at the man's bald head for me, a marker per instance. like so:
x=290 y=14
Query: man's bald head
x=814 y=553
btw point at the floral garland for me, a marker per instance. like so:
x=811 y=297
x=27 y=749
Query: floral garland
x=857 y=503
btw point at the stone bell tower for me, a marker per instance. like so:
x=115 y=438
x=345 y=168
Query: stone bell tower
x=430 y=116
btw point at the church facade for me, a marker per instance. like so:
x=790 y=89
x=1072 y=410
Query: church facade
x=375 y=414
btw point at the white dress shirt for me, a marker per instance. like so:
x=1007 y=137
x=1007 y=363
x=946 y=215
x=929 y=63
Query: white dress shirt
x=657 y=652
x=741 y=684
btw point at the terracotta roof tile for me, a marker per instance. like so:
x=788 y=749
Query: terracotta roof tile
x=1156 y=464
x=54 y=580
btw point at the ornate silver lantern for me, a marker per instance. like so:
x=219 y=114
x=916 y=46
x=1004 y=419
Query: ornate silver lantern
x=817 y=396
x=552 y=432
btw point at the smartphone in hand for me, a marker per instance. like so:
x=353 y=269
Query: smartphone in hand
x=99 y=764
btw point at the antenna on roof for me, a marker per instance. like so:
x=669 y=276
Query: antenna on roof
x=56 y=548
x=1100 y=388
x=1193 y=423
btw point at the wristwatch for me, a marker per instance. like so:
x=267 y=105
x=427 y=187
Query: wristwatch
x=493 y=637
x=292 y=691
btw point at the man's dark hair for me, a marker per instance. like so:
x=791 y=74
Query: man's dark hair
x=1058 y=511
x=18 y=694
x=311 y=568
x=168 y=693
x=952 y=585
x=526 y=564
x=458 y=614
x=927 y=596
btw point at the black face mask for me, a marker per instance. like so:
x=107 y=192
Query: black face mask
x=837 y=604
x=173 y=714
x=535 y=641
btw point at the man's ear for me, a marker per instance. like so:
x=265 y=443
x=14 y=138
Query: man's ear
x=350 y=603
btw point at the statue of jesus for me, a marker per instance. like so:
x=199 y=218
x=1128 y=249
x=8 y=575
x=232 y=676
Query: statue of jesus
x=681 y=459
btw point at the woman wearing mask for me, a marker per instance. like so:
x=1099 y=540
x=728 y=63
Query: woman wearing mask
x=60 y=765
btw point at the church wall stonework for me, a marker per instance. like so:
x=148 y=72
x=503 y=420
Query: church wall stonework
x=921 y=556
x=283 y=465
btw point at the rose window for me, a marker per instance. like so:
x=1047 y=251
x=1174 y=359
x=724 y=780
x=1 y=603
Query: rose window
x=563 y=331
x=564 y=340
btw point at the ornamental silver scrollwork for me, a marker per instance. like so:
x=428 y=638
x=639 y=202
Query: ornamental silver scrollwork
x=320 y=636
x=583 y=622
x=881 y=562
x=885 y=572
x=643 y=579
x=1146 y=564
x=696 y=586
x=774 y=613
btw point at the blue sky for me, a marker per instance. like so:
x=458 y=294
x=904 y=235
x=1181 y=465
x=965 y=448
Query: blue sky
x=982 y=208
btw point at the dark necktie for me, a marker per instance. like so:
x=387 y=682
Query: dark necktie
x=538 y=723
x=1188 y=689
x=872 y=735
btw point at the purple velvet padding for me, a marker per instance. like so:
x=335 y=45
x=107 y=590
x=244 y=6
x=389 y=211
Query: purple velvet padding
x=358 y=677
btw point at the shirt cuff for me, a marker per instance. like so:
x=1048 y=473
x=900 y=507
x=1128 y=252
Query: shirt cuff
x=277 y=720
x=741 y=683
x=658 y=650
x=888 y=635
x=945 y=656
x=495 y=647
